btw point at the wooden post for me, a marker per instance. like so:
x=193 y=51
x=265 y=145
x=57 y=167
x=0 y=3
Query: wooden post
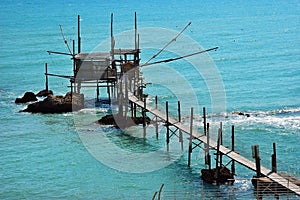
x=79 y=38
x=74 y=64
x=179 y=120
x=232 y=148
x=131 y=108
x=204 y=120
x=114 y=85
x=134 y=110
x=207 y=158
x=156 y=123
x=112 y=40
x=134 y=84
x=74 y=69
x=135 y=32
x=126 y=96
x=98 y=91
x=255 y=152
x=108 y=89
x=120 y=99
x=191 y=138
x=46 y=73
x=71 y=90
x=167 y=125
x=112 y=89
x=221 y=143
x=274 y=165
x=217 y=156
x=144 y=118
x=108 y=93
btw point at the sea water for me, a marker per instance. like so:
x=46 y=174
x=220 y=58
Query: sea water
x=43 y=156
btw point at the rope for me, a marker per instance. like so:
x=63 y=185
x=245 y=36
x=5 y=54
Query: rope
x=65 y=41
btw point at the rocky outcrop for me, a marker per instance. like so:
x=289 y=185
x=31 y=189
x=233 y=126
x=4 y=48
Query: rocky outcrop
x=44 y=93
x=241 y=113
x=120 y=121
x=28 y=97
x=57 y=104
x=220 y=176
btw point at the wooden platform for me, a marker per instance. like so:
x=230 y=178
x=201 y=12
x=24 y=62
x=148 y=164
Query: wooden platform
x=213 y=144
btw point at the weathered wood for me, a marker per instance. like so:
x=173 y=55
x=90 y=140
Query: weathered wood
x=167 y=125
x=179 y=120
x=274 y=164
x=207 y=155
x=46 y=74
x=228 y=152
x=232 y=148
x=257 y=160
x=190 y=138
x=156 y=118
x=218 y=155
x=221 y=143
x=144 y=117
x=78 y=30
x=135 y=31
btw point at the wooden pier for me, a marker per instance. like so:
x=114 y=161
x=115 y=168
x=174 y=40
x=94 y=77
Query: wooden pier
x=124 y=82
x=211 y=144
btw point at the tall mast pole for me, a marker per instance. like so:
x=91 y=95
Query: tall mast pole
x=79 y=39
x=112 y=40
x=135 y=32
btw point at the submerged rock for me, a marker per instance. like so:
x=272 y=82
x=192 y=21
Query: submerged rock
x=28 y=97
x=57 y=104
x=120 y=121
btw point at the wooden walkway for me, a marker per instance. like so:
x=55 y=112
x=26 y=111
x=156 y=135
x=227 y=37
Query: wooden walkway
x=213 y=145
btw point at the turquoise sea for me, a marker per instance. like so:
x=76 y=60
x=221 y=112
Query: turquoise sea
x=44 y=156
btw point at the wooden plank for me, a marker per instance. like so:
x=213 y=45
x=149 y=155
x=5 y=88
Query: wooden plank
x=213 y=144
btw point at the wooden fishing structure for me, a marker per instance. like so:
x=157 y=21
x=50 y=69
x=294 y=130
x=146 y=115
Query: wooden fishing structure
x=119 y=71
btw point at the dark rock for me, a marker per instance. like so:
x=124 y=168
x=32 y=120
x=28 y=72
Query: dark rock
x=120 y=121
x=28 y=97
x=44 y=93
x=224 y=175
x=241 y=113
x=57 y=104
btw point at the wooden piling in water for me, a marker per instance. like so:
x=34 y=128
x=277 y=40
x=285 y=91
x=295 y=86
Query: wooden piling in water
x=144 y=117
x=232 y=148
x=120 y=99
x=207 y=157
x=221 y=143
x=274 y=164
x=167 y=125
x=156 y=118
x=126 y=96
x=204 y=120
x=179 y=120
x=190 y=138
x=217 y=157
x=255 y=151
